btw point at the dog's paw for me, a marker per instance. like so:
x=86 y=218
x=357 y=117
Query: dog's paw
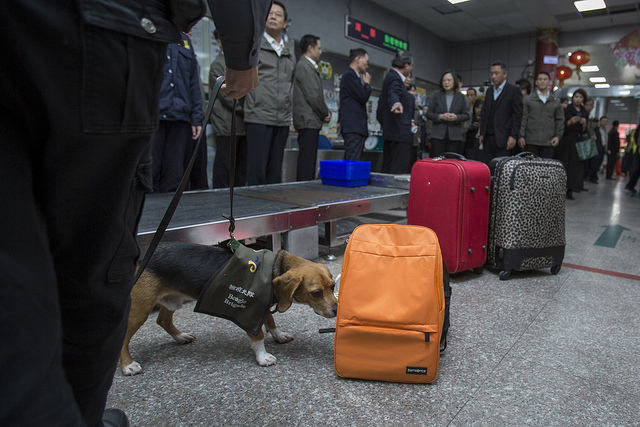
x=184 y=338
x=266 y=359
x=281 y=337
x=133 y=368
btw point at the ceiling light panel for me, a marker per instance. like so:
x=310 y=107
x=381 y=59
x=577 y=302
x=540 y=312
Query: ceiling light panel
x=586 y=5
x=597 y=79
x=589 y=68
x=602 y=86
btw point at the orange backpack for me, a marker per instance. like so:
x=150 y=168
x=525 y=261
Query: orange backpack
x=390 y=305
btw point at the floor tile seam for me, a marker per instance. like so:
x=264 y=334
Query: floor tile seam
x=508 y=351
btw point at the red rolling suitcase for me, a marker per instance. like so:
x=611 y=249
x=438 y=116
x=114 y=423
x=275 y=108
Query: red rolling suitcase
x=451 y=197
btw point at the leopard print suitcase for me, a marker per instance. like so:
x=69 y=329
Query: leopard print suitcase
x=527 y=214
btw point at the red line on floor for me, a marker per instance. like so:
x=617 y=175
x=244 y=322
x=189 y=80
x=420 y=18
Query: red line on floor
x=597 y=270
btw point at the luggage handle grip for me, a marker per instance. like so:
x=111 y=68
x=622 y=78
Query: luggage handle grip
x=527 y=154
x=450 y=155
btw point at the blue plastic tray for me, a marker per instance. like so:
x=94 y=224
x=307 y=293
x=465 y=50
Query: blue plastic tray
x=345 y=173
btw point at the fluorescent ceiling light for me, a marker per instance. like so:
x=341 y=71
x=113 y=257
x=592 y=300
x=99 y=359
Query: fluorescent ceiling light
x=597 y=79
x=586 y=5
x=625 y=92
x=628 y=87
x=457 y=1
x=589 y=68
x=603 y=86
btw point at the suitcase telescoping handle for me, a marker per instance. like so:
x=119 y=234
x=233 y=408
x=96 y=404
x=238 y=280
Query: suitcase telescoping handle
x=450 y=155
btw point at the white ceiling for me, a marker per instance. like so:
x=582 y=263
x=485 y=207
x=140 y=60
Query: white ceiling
x=485 y=19
x=481 y=19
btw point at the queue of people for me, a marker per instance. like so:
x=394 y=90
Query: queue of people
x=508 y=119
x=512 y=118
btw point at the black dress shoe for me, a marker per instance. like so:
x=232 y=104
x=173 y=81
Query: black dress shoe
x=633 y=190
x=570 y=195
x=595 y=181
x=113 y=417
x=584 y=189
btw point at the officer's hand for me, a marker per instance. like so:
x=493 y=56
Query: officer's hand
x=239 y=83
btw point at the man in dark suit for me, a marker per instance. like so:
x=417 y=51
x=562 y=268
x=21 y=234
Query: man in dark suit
x=501 y=115
x=395 y=112
x=309 y=108
x=355 y=89
x=601 y=142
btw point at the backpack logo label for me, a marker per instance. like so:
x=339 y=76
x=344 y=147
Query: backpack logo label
x=416 y=370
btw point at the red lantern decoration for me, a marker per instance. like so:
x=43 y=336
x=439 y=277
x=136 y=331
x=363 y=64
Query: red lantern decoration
x=579 y=58
x=562 y=73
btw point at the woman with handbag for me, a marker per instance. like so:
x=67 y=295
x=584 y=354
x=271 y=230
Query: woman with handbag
x=575 y=116
x=447 y=110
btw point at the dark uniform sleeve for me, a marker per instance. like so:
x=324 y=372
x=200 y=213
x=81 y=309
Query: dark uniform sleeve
x=241 y=25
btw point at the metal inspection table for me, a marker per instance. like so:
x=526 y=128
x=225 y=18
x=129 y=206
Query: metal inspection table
x=270 y=210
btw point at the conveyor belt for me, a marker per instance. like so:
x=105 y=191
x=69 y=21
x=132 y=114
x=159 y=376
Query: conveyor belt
x=262 y=210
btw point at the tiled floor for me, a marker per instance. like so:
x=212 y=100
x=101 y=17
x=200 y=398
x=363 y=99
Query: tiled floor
x=534 y=350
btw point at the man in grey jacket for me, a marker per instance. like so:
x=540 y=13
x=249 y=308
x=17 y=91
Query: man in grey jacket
x=221 y=121
x=542 y=120
x=309 y=108
x=267 y=110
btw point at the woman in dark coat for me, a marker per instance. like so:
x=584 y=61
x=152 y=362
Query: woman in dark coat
x=447 y=111
x=575 y=116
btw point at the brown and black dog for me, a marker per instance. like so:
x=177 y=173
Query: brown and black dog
x=177 y=273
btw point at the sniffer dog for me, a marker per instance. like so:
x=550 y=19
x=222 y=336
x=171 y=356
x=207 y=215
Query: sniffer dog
x=178 y=272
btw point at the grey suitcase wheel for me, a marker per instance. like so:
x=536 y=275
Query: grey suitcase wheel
x=504 y=274
x=555 y=269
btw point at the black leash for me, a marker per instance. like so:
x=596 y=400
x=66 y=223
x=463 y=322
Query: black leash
x=183 y=184
x=232 y=172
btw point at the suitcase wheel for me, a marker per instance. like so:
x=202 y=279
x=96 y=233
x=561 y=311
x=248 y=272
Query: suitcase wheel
x=478 y=270
x=555 y=269
x=504 y=274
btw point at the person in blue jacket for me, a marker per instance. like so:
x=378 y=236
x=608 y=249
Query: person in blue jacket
x=180 y=116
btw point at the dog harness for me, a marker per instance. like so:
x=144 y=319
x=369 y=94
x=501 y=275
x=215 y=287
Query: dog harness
x=243 y=290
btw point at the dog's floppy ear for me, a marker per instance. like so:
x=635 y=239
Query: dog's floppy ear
x=284 y=287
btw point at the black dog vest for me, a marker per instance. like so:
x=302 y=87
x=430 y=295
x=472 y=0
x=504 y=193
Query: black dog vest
x=242 y=291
